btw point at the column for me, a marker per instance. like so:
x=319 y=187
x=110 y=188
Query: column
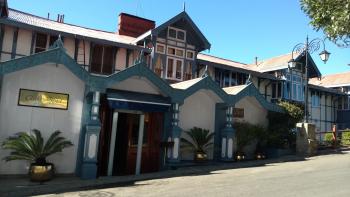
x=175 y=136
x=227 y=138
x=92 y=134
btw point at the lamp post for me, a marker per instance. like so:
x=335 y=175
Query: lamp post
x=304 y=49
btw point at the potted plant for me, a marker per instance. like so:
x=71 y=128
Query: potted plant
x=199 y=141
x=31 y=147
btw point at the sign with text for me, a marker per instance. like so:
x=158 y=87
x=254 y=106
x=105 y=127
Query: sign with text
x=238 y=112
x=43 y=99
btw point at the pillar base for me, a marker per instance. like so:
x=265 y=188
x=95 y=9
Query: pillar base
x=89 y=171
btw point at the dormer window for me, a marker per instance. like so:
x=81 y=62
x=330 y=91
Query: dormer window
x=176 y=34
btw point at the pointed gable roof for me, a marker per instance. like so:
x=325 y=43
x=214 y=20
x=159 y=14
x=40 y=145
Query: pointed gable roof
x=181 y=16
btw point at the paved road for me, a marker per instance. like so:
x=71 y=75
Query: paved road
x=327 y=176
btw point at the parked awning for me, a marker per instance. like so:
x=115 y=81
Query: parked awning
x=137 y=101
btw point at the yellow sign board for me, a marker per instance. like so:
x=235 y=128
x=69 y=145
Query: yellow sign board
x=44 y=99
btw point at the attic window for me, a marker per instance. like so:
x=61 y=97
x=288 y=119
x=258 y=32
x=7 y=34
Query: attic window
x=176 y=34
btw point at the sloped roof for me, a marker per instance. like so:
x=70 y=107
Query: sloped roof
x=333 y=80
x=234 y=90
x=219 y=60
x=274 y=63
x=281 y=62
x=40 y=22
x=238 y=66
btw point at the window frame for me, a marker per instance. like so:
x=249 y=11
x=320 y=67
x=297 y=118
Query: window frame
x=173 y=75
x=175 y=48
x=176 y=30
x=190 y=51
x=102 y=60
x=42 y=49
x=163 y=45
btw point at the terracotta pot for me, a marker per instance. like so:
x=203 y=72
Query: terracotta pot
x=200 y=156
x=41 y=173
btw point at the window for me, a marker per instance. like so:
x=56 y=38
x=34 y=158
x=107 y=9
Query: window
x=178 y=52
x=190 y=54
x=171 y=51
x=233 y=79
x=286 y=90
x=315 y=99
x=176 y=34
x=174 y=68
x=227 y=79
x=188 y=71
x=297 y=88
x=102 y=59
x=160 y=48
x=40 y=42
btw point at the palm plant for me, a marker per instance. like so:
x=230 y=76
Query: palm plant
x=201 y=139
x=31 y=147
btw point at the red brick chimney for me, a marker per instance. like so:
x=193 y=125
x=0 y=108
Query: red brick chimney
x=133 y=26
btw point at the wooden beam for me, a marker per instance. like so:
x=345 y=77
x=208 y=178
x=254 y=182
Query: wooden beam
x=14 y=44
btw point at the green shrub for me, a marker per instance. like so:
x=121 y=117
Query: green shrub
x=328 y=139
x=345 y=138
x=246 y=133
x=281 y=130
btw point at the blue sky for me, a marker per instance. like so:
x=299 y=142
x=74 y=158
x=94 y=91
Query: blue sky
x=237 y=29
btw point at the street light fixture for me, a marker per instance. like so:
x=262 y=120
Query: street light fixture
x=304 y=49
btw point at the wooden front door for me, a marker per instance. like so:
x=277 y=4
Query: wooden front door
x=150 y=158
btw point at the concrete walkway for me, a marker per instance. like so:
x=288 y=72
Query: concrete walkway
x=21 y=186
x=10 y=186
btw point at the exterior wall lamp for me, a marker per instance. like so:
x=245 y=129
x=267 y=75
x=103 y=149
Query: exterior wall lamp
x=304 y=49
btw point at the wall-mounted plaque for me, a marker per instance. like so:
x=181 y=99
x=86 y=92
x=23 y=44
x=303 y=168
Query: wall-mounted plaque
x=43 y=99
x=238 y=112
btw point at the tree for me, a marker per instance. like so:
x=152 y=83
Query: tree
x=330 y=16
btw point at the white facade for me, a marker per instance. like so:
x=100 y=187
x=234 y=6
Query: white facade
x=15 y=118
x=198 y=110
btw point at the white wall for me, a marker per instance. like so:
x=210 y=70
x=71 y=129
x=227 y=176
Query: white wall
x=69 y=45
x=24 y=41
x=254 y=113
x=121 y=59
x=198 y=110
x=14 y=118
x=7 y=43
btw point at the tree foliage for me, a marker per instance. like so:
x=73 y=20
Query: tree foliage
x=31 y=147
x=330 y=16
x=282 y=126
